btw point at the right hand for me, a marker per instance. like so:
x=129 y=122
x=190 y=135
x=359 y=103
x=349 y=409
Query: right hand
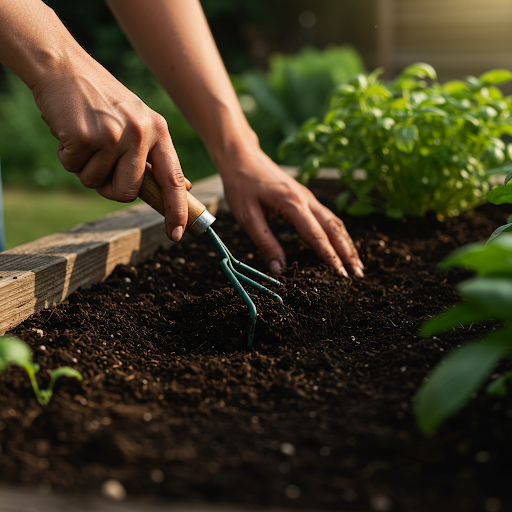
x=107 y=134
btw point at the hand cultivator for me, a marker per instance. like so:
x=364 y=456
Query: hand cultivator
x=199 y=222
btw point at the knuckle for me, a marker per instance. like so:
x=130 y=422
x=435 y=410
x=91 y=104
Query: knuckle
x=126 y=196
x=136 y=131
x=91 y=181
x=160 y=125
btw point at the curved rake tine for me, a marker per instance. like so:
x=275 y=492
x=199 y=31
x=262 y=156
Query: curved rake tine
x=228 y=266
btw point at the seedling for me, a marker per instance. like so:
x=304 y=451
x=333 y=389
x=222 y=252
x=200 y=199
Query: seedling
x=411 y=145
x=501 y=195
x=14 y=352
x=486 y=297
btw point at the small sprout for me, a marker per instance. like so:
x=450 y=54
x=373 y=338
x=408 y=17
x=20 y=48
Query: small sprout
x=14 y=352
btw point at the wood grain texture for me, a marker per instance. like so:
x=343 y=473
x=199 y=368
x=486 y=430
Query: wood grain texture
x=42 y=273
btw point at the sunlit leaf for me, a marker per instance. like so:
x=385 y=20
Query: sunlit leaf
x=421 y=70
x=496 y=76
x=498 y=231
x=455 y=86
x=14 y=351
x=500 y=195
x=405 y=138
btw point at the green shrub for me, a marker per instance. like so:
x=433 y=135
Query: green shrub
x=293 y=89
x=412 y=145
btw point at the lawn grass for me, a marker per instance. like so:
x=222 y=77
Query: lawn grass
x=32 y=214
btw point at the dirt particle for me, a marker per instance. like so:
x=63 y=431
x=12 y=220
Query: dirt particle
x=287 y=449
x=114 y=490
x=292 y=492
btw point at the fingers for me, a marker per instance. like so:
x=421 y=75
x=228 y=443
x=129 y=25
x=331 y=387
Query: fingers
x=167 y=172
x=312 y=232
x=124 y=181
x=255 y=224
x=339 y=238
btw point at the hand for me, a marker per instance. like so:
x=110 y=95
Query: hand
x=107 y=134
x=258 y=191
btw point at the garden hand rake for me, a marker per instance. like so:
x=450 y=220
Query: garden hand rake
x=199 y=222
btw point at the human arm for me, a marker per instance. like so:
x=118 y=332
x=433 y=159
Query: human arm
x=106 y=133
x=173 y=38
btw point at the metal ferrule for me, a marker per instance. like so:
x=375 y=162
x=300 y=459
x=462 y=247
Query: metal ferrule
x=201 y=224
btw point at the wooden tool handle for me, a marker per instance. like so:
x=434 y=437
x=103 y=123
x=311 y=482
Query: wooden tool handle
x=151 y=194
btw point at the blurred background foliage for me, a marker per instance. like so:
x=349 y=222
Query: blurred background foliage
x=277 y=92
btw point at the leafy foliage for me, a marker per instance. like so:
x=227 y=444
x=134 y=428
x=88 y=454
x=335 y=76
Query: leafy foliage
x=501 y=195
x=422 y=145
x=14 y=352
x=293 y=89
x=486 y=297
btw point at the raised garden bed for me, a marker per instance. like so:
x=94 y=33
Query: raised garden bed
x=318 y=415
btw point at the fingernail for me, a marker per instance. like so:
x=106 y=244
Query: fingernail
x=177 y=233
x=358 y=272
x=275 y=267
x=360 y=264
x=343 y=272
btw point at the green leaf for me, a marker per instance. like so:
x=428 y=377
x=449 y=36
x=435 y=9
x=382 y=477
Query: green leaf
x=496 y=76
x=500 y=170
x=498 y=387
x=285 y=146
x=360 y=207
x=454 y=87
x=492 y=295
x=420 y=70
x=500 y=195
x=494 y=259
x=342 y=200
x=452 y=383
x=395 y=213
x=462 y=314
x=66 y=371
x=14 y=351
x=433 y=111
x=508 y=177
x=498 y=231
x=405 y=138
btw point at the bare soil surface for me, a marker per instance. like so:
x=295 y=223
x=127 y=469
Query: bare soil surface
x=317 y=415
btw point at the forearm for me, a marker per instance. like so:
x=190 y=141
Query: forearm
x=174 y=39
x=33 y=41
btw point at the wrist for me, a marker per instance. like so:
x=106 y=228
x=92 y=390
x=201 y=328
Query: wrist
x=232 y=146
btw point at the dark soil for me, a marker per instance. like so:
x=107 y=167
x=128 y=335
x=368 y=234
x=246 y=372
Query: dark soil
x=316 y=415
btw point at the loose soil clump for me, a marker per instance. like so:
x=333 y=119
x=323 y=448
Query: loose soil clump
x=317 y=415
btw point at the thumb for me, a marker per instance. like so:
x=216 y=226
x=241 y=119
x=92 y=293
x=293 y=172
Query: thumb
x=270 y=249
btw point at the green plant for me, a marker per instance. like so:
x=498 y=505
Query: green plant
x=293 y=89
x=501 y=195
x=486 y=297
x=15 y=352
x=411 y=145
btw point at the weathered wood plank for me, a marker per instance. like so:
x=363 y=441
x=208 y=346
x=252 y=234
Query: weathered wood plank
x=39 y=274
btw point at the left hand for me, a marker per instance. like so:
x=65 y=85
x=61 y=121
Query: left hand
x=258 y=191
